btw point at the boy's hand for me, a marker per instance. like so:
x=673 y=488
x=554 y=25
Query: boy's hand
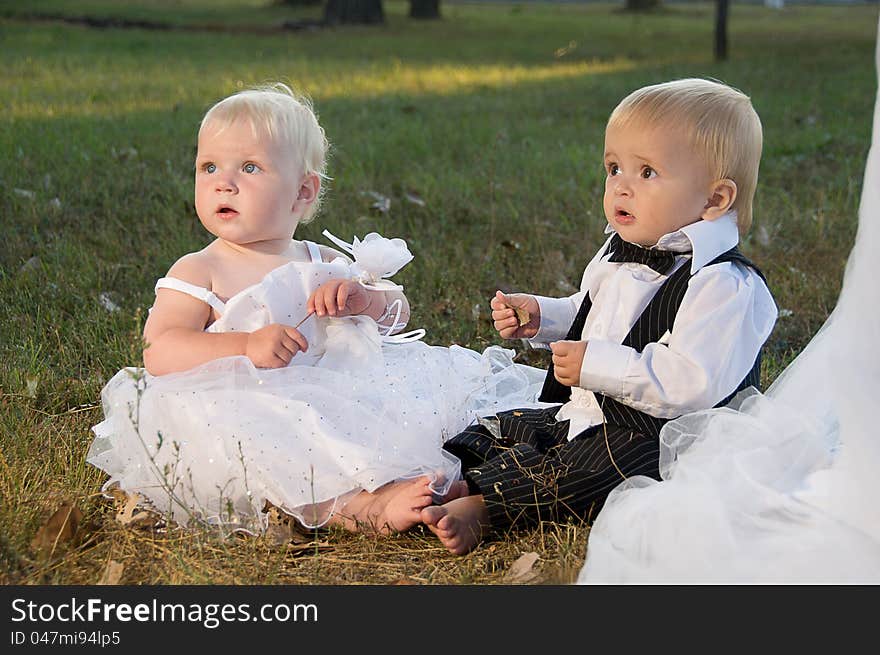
x=339 y=298
x=568 y=357
x=506 y=319
x=274 y=345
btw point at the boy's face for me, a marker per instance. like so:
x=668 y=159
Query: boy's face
x=655 y=183
x=246 y=185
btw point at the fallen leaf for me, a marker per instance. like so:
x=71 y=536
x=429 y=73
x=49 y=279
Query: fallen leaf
x=112 y=573
x=32 y=264
x=59 y=529
x=31 y=386
x=522 y=570
x=283 y=528
x=107 y=303
x=564 y=50
x=382 y=204
x=522 y=315
x=124 y=153
x=414 y=199
x=129 y=513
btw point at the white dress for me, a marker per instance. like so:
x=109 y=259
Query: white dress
x=355 y=411
x=782 y=487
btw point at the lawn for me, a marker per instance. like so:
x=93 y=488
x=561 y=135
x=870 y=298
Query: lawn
x=491 y=118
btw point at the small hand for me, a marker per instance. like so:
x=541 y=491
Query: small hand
x=339 y=298
x=275 y=345
x=568 y=357
x=504 y=314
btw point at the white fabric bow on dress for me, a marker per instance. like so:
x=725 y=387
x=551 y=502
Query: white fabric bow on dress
x=375 y=258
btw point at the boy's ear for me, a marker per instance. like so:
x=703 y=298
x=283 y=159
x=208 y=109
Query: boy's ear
x=309 y=189
x=721 y=197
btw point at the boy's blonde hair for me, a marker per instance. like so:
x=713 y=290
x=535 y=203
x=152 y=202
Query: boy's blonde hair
x=719 y=121
x=277 y=112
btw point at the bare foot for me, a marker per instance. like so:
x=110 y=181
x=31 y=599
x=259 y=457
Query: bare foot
x=460 y=524
x=393 y=507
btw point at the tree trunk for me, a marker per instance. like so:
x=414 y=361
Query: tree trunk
x=424 y=8
x=721 y=30
x=641 y=5
x=348 y=12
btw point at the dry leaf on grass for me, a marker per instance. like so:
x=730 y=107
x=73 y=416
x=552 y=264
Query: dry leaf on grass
x=404 y=581
x=59 y=529
x=283 y=528
x=522 y=571
x=112 y=573
x=127 y=512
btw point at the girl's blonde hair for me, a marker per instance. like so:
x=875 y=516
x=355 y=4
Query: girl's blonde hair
x=719 y=121
x=278 y=113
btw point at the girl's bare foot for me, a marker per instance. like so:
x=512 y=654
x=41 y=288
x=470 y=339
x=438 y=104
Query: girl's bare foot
x=393 y=507
x=404 y=501
x=460 y=524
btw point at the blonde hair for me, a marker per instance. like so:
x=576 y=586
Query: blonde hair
x=719 y=121
x=276 y=111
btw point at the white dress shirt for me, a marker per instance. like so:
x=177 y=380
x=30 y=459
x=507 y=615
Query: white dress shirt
x=725 y=317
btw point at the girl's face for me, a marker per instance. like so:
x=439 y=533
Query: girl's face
x=655 y=183
x=247 y=186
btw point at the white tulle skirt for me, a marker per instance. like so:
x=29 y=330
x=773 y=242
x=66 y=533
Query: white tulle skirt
x=215 y=442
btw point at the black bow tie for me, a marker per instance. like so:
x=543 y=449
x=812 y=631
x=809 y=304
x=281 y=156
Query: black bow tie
x=624 y=251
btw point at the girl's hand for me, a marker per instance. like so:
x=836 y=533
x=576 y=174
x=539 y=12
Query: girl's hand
x=339 y=298
x=515 y=315
x=274 y=345
x=568 y=357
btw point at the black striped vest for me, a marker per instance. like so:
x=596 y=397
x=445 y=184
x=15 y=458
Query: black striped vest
x=654 y=322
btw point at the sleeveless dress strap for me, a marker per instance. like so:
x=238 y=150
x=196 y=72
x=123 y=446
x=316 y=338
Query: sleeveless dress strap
x=191 y=290
x=314 y=252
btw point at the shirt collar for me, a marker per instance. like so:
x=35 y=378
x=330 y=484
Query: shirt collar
x=705 y=239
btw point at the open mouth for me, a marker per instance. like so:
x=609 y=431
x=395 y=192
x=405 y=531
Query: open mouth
x=226 y=212
x=623 y=216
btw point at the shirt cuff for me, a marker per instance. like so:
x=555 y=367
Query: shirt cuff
x=604 y=367
x=556 y=318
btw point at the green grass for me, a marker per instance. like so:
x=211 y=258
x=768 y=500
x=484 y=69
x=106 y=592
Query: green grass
x=493 y=115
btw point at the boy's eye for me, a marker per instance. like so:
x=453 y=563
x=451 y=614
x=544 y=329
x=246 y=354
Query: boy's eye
x=648 y=172
x=250 y=167
x=209 y=168
x=613 y=169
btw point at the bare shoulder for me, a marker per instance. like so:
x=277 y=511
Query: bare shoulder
x=196 y=268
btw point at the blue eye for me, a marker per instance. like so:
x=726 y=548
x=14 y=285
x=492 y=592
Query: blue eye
x=250 y=168
x=210 y=168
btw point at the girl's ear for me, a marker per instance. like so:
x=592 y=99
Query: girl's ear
x=721 y=198
x=308 y=190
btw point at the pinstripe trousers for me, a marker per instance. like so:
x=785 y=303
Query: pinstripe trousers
x=530 y=472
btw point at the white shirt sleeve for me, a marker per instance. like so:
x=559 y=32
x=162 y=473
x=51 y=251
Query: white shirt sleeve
x=725 y=317
x=557 y=314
